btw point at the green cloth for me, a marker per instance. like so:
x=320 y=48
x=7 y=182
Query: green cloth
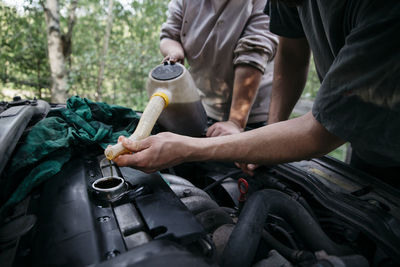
x=52 y=142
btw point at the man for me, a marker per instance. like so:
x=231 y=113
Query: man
x=227 y=45
x=356 y=51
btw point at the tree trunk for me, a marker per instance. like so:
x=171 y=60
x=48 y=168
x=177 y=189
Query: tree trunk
x=67 y=38
x=39 y=88
x=59 y=87
x=105 y=48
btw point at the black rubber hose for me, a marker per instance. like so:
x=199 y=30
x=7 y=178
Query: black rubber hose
x=290 y=254
x=275 y=183
x=243 y=242
x=288 y=237
x=303 y=202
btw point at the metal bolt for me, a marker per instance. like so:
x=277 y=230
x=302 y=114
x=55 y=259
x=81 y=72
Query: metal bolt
x=187 y=192
x=103 y=219
x=112 y=254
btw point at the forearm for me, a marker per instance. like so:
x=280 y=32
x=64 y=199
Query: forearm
x=286 y=141
x=290 y=75
x=246 y=83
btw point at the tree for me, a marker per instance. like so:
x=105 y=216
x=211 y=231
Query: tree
x=59 y=48
x=105 y=49
x=132 y=48
x=23 y=49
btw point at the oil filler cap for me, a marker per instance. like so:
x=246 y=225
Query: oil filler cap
x=167 y=71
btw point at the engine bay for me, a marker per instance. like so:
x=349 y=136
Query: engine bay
x=317 y=212
x=215 y=217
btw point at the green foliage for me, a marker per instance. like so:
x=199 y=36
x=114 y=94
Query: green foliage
x=340 y=152
x=133 y=49
x=313 y=84
x=23 y=46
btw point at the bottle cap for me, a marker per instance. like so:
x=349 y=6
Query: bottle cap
x=167 y=72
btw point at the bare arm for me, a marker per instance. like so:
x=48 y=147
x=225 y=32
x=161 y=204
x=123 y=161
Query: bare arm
x=290 y=75
x=247 y=81
x=286 y=141
x=245 y=87
x=255 y=47
x=172 y=50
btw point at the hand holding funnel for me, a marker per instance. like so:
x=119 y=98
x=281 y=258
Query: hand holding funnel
x=157 y=103
x=169 y=85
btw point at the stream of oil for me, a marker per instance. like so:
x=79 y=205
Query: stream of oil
x=111 y=169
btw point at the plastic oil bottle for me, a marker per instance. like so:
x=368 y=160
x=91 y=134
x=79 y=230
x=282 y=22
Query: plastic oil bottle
x=185 y=114
x=172 y=89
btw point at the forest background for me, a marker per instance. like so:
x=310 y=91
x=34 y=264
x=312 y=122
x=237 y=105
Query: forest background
x=99 y=49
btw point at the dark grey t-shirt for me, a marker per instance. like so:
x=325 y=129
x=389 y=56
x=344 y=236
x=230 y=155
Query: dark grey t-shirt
x=356 y=47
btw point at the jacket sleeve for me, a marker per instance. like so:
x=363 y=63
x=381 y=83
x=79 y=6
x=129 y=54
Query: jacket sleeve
x=171 y=29
x=257 y=45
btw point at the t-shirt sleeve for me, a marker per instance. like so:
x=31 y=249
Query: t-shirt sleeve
x=359 y=98
x=284 y=20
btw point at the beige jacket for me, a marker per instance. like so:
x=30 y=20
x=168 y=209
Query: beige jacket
x=216 y=35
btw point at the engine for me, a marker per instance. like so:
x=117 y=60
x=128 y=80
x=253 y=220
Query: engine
x=310 y=213
x=318 y=212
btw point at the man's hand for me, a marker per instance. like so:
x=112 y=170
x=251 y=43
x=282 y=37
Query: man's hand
x=223 y=128
x=247 y=168
x=175 y=57
x=296 y=139
x=172 y=51
x=153 y=153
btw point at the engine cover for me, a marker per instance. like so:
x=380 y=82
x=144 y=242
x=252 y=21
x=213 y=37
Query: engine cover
x=75 y=228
